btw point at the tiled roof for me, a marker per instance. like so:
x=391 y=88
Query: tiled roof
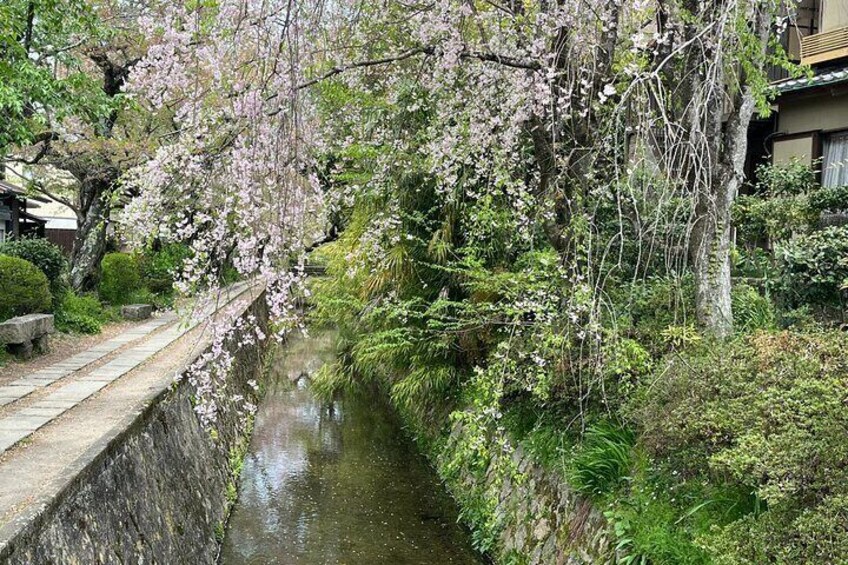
x=823 y=78
x=8 y=188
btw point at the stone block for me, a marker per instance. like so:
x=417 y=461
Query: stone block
x=136 y=311
x=24 y=329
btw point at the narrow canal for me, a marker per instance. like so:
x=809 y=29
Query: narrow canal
x=336 y=483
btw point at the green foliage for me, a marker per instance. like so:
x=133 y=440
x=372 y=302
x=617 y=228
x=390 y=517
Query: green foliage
x=80 y=314
x=651 y=307
x=811 y=536
x=45 y=255
x=24 y=289
x=159 y=268
x=751 y=310
x=766 y=413
x=777 y=218
x=786 y=179
x=833 y=199
x=36 y=37
x=120 y=278
x=330 y=380
x=788 y=201
x=461 y=310
x=815 y=267
x=755 y=262
x=603 y=460
x=659 y=516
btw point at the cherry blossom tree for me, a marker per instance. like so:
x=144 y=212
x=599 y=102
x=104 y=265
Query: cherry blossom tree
x=552 y=106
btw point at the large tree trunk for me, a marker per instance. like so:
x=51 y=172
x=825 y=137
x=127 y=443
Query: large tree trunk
x=96 y=185
x=710 y=256
x=90 y=240
x=710 y=241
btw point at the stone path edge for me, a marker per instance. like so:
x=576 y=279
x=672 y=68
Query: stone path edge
x=30 y=520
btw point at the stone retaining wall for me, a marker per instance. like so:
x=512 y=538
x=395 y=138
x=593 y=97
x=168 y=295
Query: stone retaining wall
x=155 y=491
x=538 y=518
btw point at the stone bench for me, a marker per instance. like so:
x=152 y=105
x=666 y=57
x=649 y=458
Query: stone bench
x=136 y=311
x=24 y=333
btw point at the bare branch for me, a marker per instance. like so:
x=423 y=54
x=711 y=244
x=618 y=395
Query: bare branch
x=428 y=50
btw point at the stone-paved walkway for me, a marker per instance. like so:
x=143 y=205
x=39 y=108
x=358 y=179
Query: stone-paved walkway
x=62 y=427
x=18 y=423
x=69 y=382
x=23 y=386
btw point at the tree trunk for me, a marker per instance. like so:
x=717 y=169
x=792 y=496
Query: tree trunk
x=96 y=183
x=709 y=244
x=710 y=255
x=90 y=241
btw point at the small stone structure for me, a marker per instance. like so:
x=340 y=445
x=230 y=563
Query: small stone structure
x=25 y=333
x=136 y=311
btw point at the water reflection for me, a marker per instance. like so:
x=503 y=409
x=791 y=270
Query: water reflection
x=336 y=483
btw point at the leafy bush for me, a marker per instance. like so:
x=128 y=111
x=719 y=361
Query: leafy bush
x=159 y=268
x=24 y=289
x=654 y=305
x=778 y=218
x=751 y=310
x=815 y=267
x=603 y=460
x=786 y=179
x=45 y=255
x=789 y=201
x=80 y=314
x=767 y=413
x=625 y=361
x=830 y=199
x=120 y=278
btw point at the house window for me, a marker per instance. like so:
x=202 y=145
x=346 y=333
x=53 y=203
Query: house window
x=2 y=231
x=835 y=160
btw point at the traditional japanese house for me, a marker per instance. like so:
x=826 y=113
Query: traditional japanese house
x=16 y=219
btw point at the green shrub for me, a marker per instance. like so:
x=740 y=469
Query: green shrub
x=625 y=361
x=815 y=267
x=603 y=460
x=766 y=413
x=80 y=314
x=159 y=268
x=751 y=310
x=788 y=201
x=786 y=179
x=120 y=278
x=45 y=255
x=651 y=306
x=778 y=217
x=830 y=199
x=24 y=289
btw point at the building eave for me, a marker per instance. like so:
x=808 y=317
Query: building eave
x=822 y=78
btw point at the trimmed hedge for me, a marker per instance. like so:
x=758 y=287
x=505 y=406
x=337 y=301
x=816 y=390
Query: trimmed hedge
x=45 y=255
x=24 y=289
x=120 y=278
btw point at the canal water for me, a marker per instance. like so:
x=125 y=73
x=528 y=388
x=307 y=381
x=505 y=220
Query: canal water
x=336 y=483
